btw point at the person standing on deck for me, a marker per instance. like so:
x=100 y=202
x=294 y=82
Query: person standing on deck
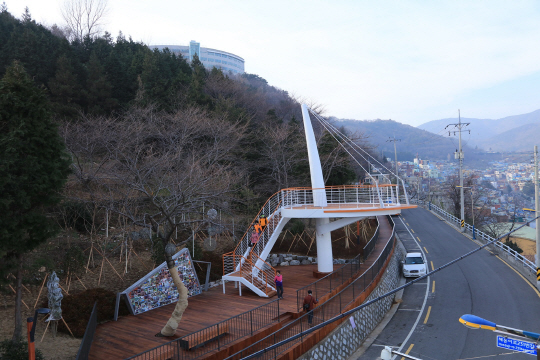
x=309 y=305
x=279 y=285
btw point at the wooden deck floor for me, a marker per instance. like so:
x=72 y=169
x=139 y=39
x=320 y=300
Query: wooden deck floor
x=131 y=334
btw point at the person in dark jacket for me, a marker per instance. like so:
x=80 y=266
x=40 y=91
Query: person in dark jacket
x=309 y=305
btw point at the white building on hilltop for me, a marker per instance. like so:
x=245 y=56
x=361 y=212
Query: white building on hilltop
x=209 y=57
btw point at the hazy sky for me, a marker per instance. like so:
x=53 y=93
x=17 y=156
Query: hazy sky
x=411 y=61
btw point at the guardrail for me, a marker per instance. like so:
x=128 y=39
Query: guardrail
x=331 y=308
x=325 y=285
x=86 y=343
x=482 y=237
x=216 y=336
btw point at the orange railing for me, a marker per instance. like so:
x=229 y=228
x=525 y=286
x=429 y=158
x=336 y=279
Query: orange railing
x=344 y=196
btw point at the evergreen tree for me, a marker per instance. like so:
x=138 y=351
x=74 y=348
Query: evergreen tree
x=33 y=170
x=66 y=92
x=196 y=93
x=98 y=88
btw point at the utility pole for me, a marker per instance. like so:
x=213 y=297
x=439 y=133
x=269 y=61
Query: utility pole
x=395 y=156
x=458 y=128
x=537 y=213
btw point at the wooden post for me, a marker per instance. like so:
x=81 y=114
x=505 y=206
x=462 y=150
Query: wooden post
x=48 y=323
x=100 y=271
x=89 y=256
x=40 y=289
x=65 y=323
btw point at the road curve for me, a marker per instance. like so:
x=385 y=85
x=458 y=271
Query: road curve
x=481 y=284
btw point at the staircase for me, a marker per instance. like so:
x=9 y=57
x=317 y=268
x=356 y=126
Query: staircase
x=247 y=264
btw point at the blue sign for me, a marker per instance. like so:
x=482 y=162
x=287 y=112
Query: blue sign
x=517 y=345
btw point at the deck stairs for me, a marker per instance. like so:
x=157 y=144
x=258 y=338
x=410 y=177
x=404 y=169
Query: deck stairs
x=247 y=265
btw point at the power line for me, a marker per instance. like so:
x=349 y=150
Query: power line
x=359 y=307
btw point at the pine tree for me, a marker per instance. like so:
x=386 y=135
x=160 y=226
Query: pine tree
x=33 y=170
x=196 y=93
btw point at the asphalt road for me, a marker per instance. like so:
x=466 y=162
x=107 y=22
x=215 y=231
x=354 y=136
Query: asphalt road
x=426 y=323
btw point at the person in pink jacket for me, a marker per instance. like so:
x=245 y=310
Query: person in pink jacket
x=279 y=285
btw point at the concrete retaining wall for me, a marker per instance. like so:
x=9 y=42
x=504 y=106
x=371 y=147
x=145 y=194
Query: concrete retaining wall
x=345 y=340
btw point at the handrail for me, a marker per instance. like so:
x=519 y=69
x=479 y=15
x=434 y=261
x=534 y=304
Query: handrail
x=331 y=308
x=86 y=343
x=529 y=265
x=239 y=326
x=354 y=263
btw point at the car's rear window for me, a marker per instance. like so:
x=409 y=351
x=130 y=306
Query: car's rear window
x=414 y=260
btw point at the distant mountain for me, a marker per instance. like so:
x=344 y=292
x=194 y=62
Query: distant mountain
x=512 y=133
x=413 y=140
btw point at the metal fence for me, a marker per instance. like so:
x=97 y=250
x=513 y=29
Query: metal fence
x=482 y=237
x=328 y=283
x=216 y=336
x=330 y=309
x=86 y=343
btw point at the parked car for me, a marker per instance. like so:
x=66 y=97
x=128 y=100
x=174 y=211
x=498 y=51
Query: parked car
x=414 y=265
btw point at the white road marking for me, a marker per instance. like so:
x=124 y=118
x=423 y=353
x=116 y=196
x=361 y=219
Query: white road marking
x=423 y=305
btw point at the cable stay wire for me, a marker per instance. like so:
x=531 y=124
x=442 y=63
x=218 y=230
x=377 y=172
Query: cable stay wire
x=368 y=303
x=327 y=125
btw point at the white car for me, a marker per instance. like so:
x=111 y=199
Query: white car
x=414 y=265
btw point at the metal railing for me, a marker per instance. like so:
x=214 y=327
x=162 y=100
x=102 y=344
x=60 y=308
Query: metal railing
x=217 y=336
x=483 y=237
x=331 y=308
x=245 y=267
x=336 y=278
x=86 y=343
x=343 y=197
x=336 y=197
x=368 y=248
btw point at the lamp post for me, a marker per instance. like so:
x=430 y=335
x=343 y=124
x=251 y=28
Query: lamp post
x=476 y=322
x=472 y=208
x=31 y=331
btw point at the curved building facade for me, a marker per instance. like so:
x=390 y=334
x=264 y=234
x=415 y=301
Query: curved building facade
x=209 y=57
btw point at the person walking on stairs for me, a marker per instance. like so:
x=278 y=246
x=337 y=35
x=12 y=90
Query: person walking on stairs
x=263 y=221
x=279 y=285
x=309 y=305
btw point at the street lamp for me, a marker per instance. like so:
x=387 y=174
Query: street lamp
x=31 y=331
x=472 y=209
x=476 y=322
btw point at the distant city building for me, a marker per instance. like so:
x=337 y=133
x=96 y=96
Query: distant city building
x=209 y=57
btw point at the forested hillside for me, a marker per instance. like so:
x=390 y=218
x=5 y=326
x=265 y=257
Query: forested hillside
x=106 y=76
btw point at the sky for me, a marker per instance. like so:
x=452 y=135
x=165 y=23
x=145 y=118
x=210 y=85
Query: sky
x=409 y=61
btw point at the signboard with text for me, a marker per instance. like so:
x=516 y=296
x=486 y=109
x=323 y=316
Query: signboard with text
x=517 y=345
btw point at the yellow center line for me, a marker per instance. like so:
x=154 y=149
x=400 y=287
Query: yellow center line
x=427 y=252
x=412 y=231
x=432 y=267
x=407 y=224
x=408 y=351
x=527 y=281
x=418 y=238
x=427 y=315
x=433 y=287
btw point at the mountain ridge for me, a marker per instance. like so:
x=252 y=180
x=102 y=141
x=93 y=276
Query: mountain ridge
x=496 y=134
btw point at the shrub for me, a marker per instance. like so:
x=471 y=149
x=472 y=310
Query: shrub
x=16 y=351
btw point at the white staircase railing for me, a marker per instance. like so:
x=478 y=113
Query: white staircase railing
x=248 y=262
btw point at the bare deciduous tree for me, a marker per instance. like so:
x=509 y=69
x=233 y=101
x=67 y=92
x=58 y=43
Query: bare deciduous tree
x=156 y=169
x=84 y=17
